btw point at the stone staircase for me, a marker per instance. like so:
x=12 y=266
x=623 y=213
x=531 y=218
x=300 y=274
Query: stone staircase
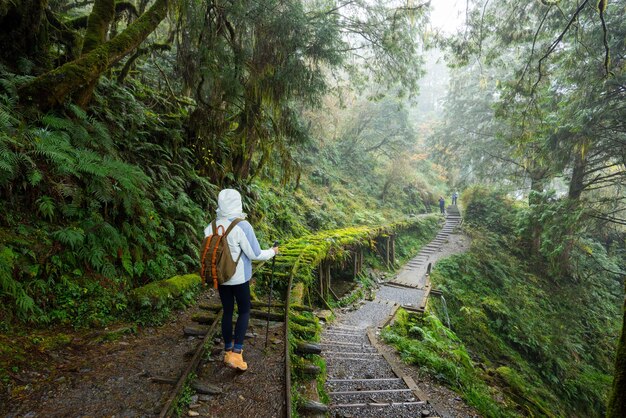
x=414 y=272
x=360 y=381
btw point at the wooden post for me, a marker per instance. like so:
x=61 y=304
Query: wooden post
x=393 y=249
x=387 y=251
x=321 y=276
x=328 y=279
x=355 y=262
x=360 y=259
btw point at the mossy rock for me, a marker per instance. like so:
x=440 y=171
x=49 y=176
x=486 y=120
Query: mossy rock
x=156 y=295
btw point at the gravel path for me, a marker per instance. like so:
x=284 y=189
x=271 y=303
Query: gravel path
x=361 y=384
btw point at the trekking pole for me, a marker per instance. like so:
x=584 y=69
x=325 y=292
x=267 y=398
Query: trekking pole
x=269 y=303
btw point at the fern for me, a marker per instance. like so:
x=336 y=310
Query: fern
x=34 y=177
x=53 y=122
x=10 y=287
x=78 y=112
x=10 y=88
x=46 y=207
x=72 y=237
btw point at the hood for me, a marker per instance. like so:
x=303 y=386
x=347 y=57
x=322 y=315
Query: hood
x=229 y=205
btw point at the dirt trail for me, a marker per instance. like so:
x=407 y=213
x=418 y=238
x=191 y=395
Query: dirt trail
x=116 y=379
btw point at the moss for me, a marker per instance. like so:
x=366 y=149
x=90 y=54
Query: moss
x=55 y=87
x=617 y=400
x=101 y=16
x=162 y=293
x=53 y=342
x=118 y=333
x=300 y=257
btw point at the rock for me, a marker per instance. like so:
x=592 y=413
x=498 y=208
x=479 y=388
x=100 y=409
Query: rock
x=194 y=406
x=325 y=315
x=276 y=341
x=250 y=335
x=161 y=379
x=241 y=398
x=204 y=318
x=195 y=331
x=204 y=398
x=193 y=399
x=307 y=348
x=193 y=414
x=205 y=388
x=425 y=413
x=310 y=406
x=217 y=340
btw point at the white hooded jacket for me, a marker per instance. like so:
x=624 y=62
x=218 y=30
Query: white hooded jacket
x=242 y=239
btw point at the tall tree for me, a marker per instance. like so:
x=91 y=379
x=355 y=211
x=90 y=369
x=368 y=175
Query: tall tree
x=61 y=84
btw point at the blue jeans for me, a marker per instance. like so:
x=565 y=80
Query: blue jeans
x=228 y=296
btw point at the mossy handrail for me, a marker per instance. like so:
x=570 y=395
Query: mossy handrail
x=308 y=252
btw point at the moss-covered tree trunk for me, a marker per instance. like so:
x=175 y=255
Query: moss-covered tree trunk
x=617 y=401
x=98 y=24
x=58 y=85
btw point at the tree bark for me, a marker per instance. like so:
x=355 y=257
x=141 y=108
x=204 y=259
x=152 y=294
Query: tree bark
x=617 y=400
x=536 y=186
x=57 y=86
x=576 y=184
x=98 y=24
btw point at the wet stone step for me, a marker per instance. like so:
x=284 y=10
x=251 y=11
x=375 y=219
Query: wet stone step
x=355 y=339
x=354 y=348
x=352 y=355
x=342 y=329
x=343 y=385
x=350 y=369
x=376 y=396
x=332 y=332
x=403 y=410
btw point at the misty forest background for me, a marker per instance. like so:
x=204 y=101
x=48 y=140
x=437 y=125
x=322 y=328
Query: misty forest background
x=120 y=121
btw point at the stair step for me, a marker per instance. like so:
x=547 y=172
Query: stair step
x=395 y=410
x=339 y=385
x=375 y=396
x=346 y=368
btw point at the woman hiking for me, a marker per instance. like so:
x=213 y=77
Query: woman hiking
x=244 y=247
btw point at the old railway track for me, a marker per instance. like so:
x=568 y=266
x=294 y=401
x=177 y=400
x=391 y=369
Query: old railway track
x=362 y=380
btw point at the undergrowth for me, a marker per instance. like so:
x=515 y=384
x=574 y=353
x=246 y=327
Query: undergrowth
x=544 y=335
x=426 y=342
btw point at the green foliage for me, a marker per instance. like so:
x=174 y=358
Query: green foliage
x=154 y=300
x=94 y=207
x=300 y=257
x=489 y=209
x=424 y=341
x=515 y=313
x=183 y=400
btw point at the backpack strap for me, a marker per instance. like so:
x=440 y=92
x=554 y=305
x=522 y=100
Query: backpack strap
x=232 y=225
x=230 y=228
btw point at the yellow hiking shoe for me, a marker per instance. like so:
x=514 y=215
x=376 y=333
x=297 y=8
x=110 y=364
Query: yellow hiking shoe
x=227 y=356
x=235 y=360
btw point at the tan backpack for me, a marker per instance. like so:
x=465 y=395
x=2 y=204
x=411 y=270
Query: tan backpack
x=216 y=261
